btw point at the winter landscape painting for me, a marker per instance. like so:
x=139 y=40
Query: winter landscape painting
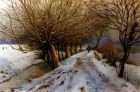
x=69 y=45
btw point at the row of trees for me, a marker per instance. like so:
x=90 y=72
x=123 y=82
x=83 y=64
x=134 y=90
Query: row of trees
x=48 y=25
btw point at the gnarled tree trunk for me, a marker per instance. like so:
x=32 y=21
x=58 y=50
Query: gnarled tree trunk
x=76 y=48
x=71 y=50
x=123 y=61
x=80 y=47
x=54 y=56
x=68 y=53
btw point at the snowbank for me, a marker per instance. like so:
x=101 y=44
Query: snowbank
x=133 y=74
x=111 y=74
x=13 y=62
x=86 y=74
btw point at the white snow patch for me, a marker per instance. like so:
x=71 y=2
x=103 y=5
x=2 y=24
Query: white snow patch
x=133 y=74
x=14 y=61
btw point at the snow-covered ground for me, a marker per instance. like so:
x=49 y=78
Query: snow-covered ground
x=86 y=74
x=13 y=61
x=133 y=75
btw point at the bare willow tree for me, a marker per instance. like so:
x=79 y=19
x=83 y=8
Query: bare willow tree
x=124 y=17
x=46 y=24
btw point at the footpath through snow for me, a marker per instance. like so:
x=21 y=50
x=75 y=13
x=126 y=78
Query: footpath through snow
x=86 y=74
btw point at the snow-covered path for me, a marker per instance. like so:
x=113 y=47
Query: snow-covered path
x=83 y=75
